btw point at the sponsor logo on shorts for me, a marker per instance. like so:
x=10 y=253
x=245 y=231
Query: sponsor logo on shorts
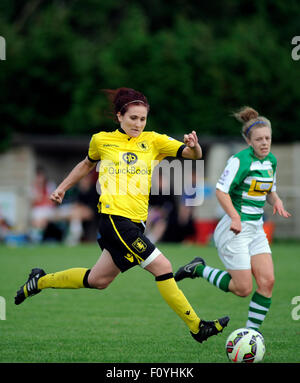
x=129 y=257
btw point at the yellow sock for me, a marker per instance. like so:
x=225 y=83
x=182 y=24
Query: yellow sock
x=177 y=301
x=66 y=279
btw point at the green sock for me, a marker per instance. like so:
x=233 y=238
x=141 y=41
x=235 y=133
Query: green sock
x=216 y=277
x=258 y=308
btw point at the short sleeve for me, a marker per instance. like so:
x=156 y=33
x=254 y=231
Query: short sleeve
x=274 y=183
x=274 y=166
x=168 y=146
x=229 y=175
x=93 y=153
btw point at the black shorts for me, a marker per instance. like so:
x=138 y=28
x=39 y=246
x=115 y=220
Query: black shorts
x=126 y=242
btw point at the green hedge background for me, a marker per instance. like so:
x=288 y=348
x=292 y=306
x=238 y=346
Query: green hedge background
x=197 y=62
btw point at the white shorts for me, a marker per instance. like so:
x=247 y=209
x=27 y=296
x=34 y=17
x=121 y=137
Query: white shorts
x=42 y=212
x=235 y=250
x=52 y=213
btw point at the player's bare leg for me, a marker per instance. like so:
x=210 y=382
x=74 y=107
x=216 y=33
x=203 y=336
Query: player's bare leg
x=104 y=271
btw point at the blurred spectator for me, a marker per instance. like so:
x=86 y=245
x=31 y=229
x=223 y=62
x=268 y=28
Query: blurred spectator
x=42 y=208
x=162 y=213
x=5 y=227
x=186 y=225
x=83 y=211
x=70 y=221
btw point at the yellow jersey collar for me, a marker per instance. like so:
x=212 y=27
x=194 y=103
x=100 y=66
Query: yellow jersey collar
x=122 y=133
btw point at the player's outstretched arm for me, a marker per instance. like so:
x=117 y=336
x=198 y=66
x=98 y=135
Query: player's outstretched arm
x=274 y=200
x=192 y=150
x=80 y=170
x=226 y=203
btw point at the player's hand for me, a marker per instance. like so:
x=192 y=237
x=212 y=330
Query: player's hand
x=279 y=208
x=191 y=139
x=236 y=225
x=57 y=196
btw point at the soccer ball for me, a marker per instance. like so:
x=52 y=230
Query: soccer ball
x=245 y=345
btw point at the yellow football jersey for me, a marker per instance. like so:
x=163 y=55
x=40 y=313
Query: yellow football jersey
x=126 y=169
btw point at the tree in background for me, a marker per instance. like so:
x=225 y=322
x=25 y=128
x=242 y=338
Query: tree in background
x=196 y=63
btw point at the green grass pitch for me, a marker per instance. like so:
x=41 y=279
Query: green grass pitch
x=129 y=322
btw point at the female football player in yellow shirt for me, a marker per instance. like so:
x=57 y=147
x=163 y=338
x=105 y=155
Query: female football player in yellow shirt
x=127 y=157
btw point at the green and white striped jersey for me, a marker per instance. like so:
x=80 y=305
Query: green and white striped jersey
x=248 y=180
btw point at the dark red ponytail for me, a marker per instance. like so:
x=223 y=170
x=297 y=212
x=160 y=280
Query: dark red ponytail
x=122 y=98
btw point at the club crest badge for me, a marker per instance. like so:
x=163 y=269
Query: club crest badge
x=139 y=245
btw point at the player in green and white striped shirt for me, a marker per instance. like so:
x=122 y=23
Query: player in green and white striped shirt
x=247 y=182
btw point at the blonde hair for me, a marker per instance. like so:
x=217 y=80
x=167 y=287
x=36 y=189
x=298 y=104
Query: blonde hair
x=250 y=119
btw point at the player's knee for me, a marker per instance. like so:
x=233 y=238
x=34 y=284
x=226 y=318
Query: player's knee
x=270 y=283
x=266 y=284
x=165 y=265
x=241 y=287
x=159 y=266
x=100 y=283
x=243 y=291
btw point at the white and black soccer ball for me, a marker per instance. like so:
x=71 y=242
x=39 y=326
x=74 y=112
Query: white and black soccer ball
x=245 y=345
